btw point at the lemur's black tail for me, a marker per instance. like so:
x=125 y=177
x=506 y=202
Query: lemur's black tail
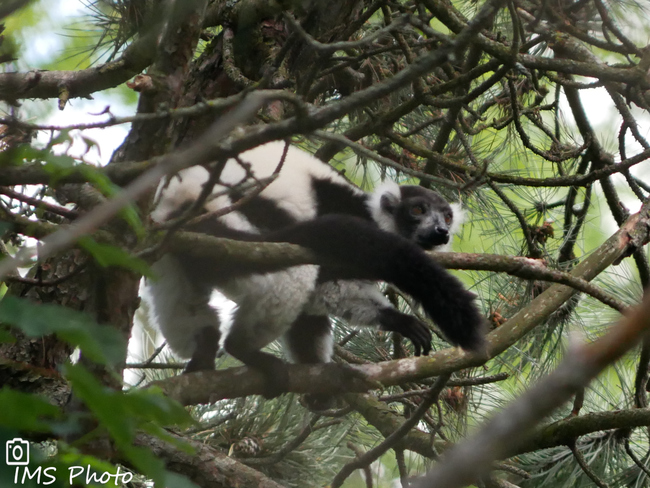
x=368 y=253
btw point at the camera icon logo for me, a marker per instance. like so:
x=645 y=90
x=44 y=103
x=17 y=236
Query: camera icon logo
x=17 y=452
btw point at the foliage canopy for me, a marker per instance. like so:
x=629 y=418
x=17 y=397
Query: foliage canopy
x=533 y=112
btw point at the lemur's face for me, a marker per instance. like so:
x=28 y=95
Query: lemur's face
x=422 y=216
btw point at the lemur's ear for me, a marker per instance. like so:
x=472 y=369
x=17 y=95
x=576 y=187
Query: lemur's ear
x=389 y=202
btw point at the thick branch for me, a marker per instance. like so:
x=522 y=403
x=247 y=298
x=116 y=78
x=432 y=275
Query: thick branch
x=207 y=467
x=564 y=431
x=83 y=83
x=79 y=83
x=276 y=256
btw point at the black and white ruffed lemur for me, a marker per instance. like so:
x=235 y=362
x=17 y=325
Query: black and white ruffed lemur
x=379 y=236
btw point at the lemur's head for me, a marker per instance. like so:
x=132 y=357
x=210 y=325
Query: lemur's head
x=419 y=214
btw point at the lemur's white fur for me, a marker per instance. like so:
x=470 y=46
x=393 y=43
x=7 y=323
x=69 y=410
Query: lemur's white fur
x=456 y=223
x=270 y=301
x=291 y=190
x=384 y=220
x=356 y=301
x=173 y=306
x=185 y=187
x=458 y=220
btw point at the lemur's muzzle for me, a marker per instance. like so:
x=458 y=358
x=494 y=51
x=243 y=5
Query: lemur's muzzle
x=435 y=237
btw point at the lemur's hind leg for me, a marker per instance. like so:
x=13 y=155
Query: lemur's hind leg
x=273 y=368
x=207 y=345
x=310 y=341
x=267 y=305
x=180 y=306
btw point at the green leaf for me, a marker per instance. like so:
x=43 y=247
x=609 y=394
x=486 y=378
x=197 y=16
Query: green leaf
x=98 y=179
x=58 y=165
x=100 y=343
x=106 y=404
x=146 y=463
x=123 y=413
x=62 y=137
x=4 y=227
x=71 y=457
x=177 y=480
x=159 y=408
x=8 y=472
x=141 y=458
x=107 y=255
x=25 y=412
x=20 y=154
x=109 y=189
x=159 y=432
x=69 y=462
x=6 y=336
x=149 y=465
x=132 y=217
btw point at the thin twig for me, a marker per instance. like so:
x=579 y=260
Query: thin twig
x=580 y=459
x=390 y=441
x=40 y=204
x=637 y=461
x=288 y=447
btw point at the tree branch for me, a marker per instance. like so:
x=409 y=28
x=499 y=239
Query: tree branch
x=206 y=466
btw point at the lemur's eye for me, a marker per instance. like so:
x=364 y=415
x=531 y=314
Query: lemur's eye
x=417 y=210
x=448 y=219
